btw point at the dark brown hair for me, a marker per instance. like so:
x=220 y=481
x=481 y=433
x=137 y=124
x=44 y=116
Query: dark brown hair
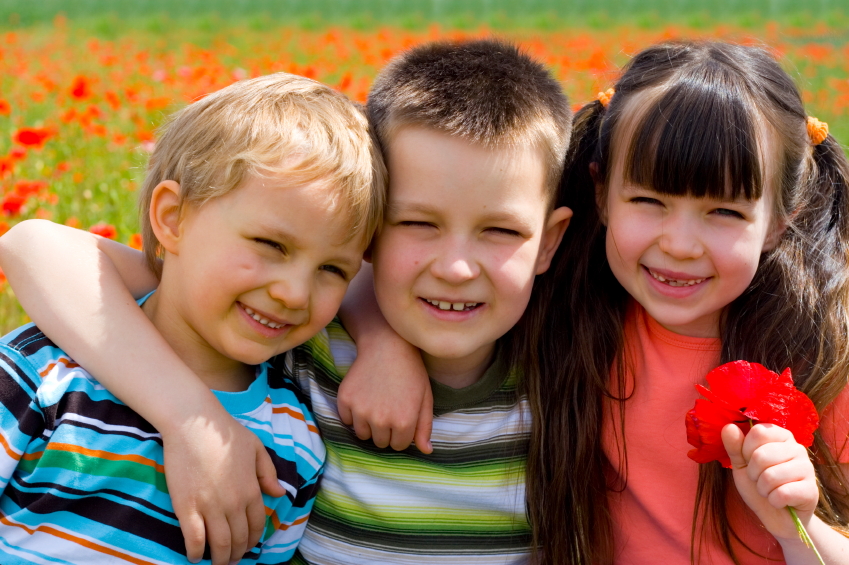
x=485 y=91
x=702 y=115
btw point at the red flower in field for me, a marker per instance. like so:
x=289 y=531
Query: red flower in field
x=81 y=88
x=742 y=392
x=5 y=108
x=12 y=204
x=32 y=137
x=135 y=241
x=27 y=188
x=105 y=230
x=18 y=154
x=7 y=164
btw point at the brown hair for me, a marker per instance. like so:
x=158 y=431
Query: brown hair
x=698 y=128
x=275 y=124
x=485 y=91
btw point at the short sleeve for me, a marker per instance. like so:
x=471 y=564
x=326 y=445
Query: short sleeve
x=21 y=416
x=834 y=426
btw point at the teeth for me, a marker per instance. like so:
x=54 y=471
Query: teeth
x=456 y=306
x=675 y=282
x=261 y=320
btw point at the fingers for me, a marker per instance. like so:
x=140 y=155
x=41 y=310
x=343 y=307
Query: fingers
x=363 y=430
x=266 y=474
x=194 y=535
x=402 y=437
x=218 y=534
x=732 y=439
x=424 y=427
x=239 y=534
x=342 y=406
x=256 y=523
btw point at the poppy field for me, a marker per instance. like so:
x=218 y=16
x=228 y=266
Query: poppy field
x=80 y=105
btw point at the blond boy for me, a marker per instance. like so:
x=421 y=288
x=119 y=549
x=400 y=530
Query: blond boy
x=260 y=200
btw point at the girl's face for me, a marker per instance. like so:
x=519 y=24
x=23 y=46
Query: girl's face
x=684 y=258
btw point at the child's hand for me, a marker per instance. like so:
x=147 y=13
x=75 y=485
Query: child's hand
x=771 y=472
x=386 y=396
x=215 y=469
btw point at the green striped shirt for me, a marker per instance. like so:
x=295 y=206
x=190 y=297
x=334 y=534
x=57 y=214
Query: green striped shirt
x=464 y=503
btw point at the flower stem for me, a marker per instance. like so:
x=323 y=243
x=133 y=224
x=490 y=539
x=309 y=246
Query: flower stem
x=803 y=533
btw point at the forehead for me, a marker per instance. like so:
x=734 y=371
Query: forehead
x=425 y=163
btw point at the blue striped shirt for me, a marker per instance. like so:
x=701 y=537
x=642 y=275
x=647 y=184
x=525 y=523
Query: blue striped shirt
x=82 y=474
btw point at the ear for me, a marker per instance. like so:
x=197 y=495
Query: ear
x=599 y=192
x=555 y=227
x=164 y=214
x=776 y=232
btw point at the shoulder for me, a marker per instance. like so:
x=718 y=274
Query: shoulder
x=27 y=356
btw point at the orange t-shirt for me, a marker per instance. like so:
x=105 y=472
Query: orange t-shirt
x=653 y=515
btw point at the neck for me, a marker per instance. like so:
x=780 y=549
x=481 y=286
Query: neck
x=215 y=370
x=461 y=372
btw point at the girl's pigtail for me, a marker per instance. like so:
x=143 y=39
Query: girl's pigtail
x=829 y=176
x=566 y=472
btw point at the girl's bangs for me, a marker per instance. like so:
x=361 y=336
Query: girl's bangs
x=698 y=138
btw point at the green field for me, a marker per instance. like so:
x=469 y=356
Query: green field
x=99 y=76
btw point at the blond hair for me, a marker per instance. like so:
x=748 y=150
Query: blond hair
x=279 y=124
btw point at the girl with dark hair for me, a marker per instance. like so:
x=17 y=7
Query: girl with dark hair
x=711 y=223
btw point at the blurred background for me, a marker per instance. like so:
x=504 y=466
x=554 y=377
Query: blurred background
x=85 y=83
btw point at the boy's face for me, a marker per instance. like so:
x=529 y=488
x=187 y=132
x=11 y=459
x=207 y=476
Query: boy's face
x=262 y=268
x=466 y=231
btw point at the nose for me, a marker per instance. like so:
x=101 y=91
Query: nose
x=456 y=262
x=681 y=237
x=293 y=291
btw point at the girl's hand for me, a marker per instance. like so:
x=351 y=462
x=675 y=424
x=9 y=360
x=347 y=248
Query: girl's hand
x=386 y=395
x=771 y=472
x=215 y=469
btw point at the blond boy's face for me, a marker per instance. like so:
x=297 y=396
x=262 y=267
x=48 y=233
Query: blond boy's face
x=465 y=234
x=262 y=268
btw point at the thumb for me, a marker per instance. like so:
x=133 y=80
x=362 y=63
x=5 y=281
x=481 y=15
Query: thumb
x=424 y=426
x=732 y=440
x=266 y=474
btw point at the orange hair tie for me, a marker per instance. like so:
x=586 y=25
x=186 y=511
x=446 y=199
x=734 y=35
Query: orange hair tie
x=604 y=97
x=817 y=130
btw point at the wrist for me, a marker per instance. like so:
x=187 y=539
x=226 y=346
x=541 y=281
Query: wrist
x=180 y=413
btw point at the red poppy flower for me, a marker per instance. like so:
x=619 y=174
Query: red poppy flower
x=742 y=392
x=32 y=137
x=105 y=230
x=12 y=204
x=81 y=88
x=5 y=108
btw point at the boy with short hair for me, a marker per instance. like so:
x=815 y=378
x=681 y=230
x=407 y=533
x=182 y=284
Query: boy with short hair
x=260 y=199
x=474 y=134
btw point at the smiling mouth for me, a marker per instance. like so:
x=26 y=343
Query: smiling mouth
x=455 y=306
x=264 y=321
x=675 y=282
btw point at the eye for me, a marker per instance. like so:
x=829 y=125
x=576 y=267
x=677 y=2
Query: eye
x=729 y=213
x=270 y=243
x=335 y=270
x=646 y=200
x=415 y=224
x=503 y=231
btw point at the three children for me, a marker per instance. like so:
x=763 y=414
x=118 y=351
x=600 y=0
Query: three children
x=681 y=242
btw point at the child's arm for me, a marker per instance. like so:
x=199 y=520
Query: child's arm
x=386 y=393
x=771 y=472
x=74 y=284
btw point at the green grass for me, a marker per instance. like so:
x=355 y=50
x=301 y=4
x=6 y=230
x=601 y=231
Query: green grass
x=107 y=17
